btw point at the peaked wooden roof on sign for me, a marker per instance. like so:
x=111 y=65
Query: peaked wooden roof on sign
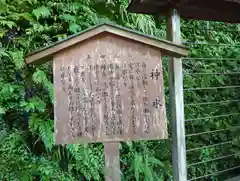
x=166 y=47
x=211 y=10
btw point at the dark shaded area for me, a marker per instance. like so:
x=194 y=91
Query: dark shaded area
x=214 y=10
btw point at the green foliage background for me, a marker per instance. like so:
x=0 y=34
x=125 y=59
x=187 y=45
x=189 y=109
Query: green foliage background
x=27 y=150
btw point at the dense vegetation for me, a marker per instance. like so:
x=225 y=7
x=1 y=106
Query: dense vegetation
x=27 y=150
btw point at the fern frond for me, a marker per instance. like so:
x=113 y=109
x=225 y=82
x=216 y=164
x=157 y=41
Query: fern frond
x=68 y=18
x=41 y=12
x=40 y=77
x=9 y=24
x=17 y=58
x=44 y=128
x=91 y=161
x=34 y=104
x=3 y=51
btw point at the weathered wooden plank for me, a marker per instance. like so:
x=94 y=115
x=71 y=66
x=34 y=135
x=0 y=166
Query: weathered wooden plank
x=176 y=102
x=108 y=89
x=112 y=161
x=166 y=47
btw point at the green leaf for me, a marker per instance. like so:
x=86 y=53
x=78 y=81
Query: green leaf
x=39 y=76
x=34 y=104
x=3 y=6
x=74 y=28
x=27 y=16
x=7 y=89
x=2 y=32
x=9 y=24
x=60 y=37
x=148 y=172
x=137 y=164
x=129 y=144
x=2 y=110
x=68 y=18
x=17 y=58
x=43 y=128
x=155 y=161
x=3 y=52
x=41 y=12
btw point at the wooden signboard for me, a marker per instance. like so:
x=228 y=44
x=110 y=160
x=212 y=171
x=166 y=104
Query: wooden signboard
x=109 y=89
x=108 y=85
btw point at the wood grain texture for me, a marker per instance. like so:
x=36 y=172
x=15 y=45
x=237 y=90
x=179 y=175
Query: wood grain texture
x=175 y=73
x=129 y=123
x=112 y=161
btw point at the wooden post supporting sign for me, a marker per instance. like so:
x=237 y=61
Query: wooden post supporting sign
x=108 y=87
x=112 y=164
x=176 y=101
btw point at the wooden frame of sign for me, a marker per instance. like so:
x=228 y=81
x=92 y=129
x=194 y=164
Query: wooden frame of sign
x=108 y=87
